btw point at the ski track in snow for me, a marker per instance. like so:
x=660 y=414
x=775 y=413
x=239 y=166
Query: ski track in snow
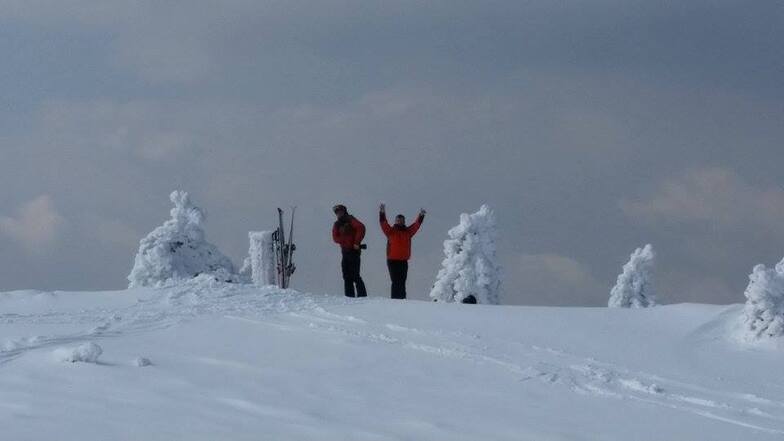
x=582 y=375
x=163 y=310
x=523 y=362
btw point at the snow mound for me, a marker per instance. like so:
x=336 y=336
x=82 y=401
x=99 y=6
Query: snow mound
x=15 y=344
x=634 y=288
x=763 y=315
x=142 y=362
x=178 y=250
x=85 y=353
x=470 y=270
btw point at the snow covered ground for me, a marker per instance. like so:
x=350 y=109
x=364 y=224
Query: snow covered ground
x=242 y=363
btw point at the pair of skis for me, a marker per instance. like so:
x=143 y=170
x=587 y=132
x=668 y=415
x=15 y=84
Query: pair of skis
x=284 y=250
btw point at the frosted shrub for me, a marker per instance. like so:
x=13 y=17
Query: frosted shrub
x=470 y=271
x=634 y=288
x=763 y=316
x=178 y=250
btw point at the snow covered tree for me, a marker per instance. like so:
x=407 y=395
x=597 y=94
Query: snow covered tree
x=763 y=315
x=470 y=271
x=259 y=266
x=634 y=288
x=177 y=250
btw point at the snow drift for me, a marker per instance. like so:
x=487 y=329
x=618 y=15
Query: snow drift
x=470 y=268
x=634 y=287
x=178 y=250
x=240 y=362
x=763 y=315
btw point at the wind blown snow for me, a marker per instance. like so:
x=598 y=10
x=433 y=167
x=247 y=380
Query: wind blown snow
x=470 y=267
x=634 y=288
x=178 y=250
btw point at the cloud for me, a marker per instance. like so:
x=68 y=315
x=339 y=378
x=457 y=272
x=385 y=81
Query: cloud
x=148 y=130
x=715 y=196
x=117 y=233
x=161 y=41
x=707 y=288
x=551 y=279
x=542 y=110
x=164 y=54
x=35 y=226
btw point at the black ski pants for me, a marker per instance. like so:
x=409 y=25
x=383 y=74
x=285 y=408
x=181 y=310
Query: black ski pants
x=350 y=265
x=398 y=272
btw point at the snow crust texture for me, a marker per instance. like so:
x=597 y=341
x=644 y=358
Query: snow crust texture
x=763 y=315
x=84 y=353
x=178 y=250
x=634 y=288
x=470 y=267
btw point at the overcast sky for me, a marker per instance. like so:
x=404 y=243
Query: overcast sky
x=590 y=127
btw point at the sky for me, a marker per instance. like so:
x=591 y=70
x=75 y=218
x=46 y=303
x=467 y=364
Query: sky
x=591 y=128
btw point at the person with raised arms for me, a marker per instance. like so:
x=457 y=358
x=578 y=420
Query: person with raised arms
x=399 y=248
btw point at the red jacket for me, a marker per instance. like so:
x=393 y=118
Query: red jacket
x=348 y=232
x=399 y=238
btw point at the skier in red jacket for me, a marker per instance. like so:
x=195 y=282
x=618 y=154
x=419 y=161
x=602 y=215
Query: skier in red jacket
x=348 y=232
x=398 y=248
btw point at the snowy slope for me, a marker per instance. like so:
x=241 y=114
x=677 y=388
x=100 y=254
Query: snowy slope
x=240 y=363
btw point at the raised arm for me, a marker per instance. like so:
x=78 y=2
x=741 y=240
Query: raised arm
x=412 y=230
x=382 y=219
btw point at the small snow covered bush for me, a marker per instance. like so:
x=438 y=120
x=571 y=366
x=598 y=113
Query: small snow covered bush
x=763 y=316
x=86 y=353
x=470 y=270
x=259 y=266
x=177 y=250
x=634 y=288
